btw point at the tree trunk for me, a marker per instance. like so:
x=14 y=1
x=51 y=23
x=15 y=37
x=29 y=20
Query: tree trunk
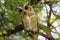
x=50 y=36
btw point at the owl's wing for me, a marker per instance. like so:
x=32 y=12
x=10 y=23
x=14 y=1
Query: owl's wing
x=34 y=23
x=26 y=22
x=33 y=20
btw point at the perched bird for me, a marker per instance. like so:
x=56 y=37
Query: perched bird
x=29 y=20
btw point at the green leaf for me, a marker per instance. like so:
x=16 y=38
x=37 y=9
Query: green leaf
x=53 y=20
x=4 y=32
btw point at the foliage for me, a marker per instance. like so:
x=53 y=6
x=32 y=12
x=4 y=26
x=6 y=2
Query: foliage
x=58 y=38
x=9 y=17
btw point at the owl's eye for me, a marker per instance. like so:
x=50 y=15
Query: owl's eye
x=20 y=10
x=26 y=8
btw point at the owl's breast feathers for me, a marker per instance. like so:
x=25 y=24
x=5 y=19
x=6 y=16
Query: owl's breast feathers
x=30 y=23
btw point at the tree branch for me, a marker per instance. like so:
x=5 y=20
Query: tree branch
x=34 y=2
x=43 y=35
x=17 y=29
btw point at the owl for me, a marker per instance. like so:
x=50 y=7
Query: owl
x=29 y=18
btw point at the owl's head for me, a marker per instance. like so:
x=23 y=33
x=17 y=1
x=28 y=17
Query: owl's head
x=25 y=9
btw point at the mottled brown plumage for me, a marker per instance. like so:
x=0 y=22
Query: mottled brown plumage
x=29 y=19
